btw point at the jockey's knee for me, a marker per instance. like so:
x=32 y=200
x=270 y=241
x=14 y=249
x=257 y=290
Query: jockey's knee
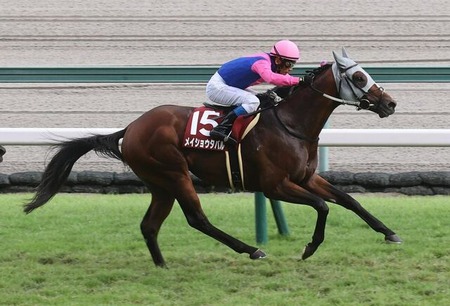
x=251 y=105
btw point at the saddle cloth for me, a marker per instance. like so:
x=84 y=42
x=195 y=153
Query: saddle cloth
x=203 y=119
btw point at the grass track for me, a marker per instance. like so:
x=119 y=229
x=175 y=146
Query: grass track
x=88 y=250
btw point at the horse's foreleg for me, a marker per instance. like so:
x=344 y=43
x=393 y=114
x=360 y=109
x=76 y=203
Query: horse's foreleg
x=159 y=209
x=190 y=204
x=328 y=192
x=290 y=192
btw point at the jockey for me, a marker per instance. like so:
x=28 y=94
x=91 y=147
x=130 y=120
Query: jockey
x=229 y=85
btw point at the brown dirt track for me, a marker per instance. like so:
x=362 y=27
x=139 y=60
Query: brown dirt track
x=209 y=33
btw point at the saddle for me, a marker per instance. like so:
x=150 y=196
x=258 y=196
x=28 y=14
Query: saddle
x=204 y=118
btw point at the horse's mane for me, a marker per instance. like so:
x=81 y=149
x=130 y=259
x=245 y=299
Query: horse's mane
x=285 y=91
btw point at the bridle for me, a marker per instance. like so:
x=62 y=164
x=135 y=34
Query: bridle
x=361 y=103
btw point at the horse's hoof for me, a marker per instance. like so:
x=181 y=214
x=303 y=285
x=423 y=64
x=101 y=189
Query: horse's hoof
x=161 y=265
x=308 y=251
x=258 y=254
x=393 y=239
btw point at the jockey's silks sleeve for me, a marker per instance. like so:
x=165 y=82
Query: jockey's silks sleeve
x=254 y=69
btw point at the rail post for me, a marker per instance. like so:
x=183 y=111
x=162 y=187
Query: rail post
x=323 y=154
x=261 y=218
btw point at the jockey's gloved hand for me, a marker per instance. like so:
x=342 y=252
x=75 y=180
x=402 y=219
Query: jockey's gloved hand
x=308 y=78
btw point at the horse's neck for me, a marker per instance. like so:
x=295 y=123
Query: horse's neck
x=306 y=111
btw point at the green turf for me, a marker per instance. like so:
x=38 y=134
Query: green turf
x=88 y=250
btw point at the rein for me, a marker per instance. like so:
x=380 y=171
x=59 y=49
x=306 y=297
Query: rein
x=360 y=103
x=278 y=100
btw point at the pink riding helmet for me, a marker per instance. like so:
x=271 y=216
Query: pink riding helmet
x=286 y=49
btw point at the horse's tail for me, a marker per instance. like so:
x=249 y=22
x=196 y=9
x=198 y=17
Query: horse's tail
x=57 y=171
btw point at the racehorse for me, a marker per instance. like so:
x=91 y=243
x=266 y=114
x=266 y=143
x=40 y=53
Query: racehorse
x=279 y=156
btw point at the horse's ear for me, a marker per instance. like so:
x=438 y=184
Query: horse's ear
x=339 y=61
x=344 y=53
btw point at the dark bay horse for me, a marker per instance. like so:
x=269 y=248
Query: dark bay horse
x=279 y=157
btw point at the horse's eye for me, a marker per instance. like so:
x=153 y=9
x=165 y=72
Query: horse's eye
x=359 y=79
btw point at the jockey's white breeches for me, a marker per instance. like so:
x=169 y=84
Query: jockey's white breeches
x=220 y=93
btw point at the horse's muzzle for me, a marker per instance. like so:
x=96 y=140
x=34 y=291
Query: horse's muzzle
x=380 y=102
x=386 y=109
x=384 y=112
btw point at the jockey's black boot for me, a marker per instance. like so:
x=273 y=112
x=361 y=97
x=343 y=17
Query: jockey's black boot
x=223 y=130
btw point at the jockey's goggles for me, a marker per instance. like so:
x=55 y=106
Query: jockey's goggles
x=288 y=64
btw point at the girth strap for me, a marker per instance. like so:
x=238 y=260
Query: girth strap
x=234 y=168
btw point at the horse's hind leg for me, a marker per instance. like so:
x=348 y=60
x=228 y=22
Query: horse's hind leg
x=328 y=192
x=159 y=209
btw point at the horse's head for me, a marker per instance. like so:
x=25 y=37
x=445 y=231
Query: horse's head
x=353 y=82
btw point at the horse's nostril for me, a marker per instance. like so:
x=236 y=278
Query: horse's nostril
x=392 y=105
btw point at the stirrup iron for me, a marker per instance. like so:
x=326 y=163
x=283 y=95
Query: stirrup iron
x=229 y=140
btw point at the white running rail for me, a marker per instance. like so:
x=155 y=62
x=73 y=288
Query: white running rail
x=328 y=137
